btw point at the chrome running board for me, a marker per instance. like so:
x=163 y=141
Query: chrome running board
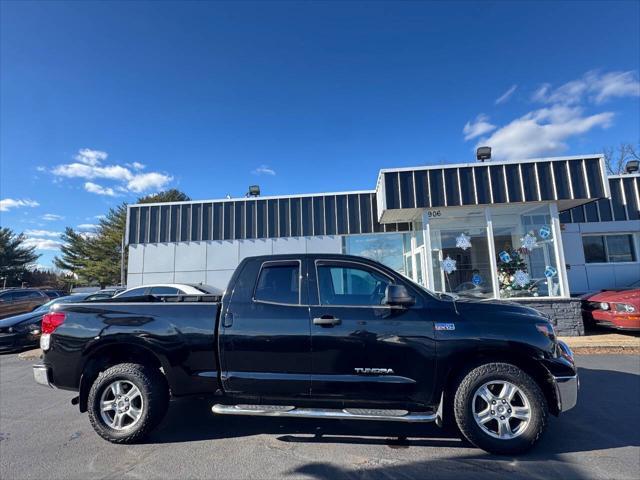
x=344 y=414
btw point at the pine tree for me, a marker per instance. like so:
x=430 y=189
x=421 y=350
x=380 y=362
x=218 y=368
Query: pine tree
x=15 y=256
x=95 y=257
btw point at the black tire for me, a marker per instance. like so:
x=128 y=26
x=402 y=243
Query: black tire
x=155 y=401
x=464 y=402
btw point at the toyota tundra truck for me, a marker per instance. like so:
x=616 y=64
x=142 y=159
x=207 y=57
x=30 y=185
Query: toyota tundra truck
x=317 y=336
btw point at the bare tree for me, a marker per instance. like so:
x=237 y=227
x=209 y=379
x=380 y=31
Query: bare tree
x=616 y=158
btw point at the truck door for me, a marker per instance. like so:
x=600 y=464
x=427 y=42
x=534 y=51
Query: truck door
x=362 y=349
x=265 y=339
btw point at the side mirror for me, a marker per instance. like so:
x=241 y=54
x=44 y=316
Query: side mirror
x=398 y=295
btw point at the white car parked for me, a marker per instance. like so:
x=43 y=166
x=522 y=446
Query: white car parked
x=170 y=289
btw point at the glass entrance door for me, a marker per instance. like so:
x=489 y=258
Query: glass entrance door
x=415 y=258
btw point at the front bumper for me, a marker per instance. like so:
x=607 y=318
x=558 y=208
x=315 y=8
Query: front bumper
x=566 y=386
x=567 y=392
x=42 y=375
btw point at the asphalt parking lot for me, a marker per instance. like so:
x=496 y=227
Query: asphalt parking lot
x=43 y=436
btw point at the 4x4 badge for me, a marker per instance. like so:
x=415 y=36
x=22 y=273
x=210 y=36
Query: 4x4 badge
x=445 y=326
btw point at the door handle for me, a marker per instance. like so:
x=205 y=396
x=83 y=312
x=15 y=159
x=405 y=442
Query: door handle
x=228 y=320
x=326 y=321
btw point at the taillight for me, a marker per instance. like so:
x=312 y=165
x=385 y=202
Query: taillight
x=51 y=321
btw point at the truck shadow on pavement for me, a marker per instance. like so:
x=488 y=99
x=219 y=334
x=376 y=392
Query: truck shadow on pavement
x=607 y=416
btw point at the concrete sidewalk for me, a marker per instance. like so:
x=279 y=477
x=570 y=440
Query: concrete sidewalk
x=601 y=343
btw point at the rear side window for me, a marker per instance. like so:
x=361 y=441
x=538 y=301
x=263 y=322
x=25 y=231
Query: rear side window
x=7 y=297
x=26 y=295
x=136 y=292
x=165 y=291
x=279 y=283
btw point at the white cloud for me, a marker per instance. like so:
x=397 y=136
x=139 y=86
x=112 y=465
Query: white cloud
x=567 y=112
x=87 y=226
x=42 y=233
x=478 y=127
x=41 y=169
x=52 y=217
x=594 y=87
x=90 y=157
x=89 y=166
x=99 y=189
x=543 y=132
x=136 y=165
x=263 y=170
x=88 y=235
x=7 y=204
x=506 y=95
x=80 y=170
x=148 y=181
x=42 y=243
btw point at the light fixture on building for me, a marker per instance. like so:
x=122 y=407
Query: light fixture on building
x=254 y=191
x=483 y=153
x=632 y=166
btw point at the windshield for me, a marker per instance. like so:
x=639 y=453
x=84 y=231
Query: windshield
x=68 y=299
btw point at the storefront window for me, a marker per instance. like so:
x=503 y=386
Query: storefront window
x=386 y=248
x=526 y=252
x=460 y=253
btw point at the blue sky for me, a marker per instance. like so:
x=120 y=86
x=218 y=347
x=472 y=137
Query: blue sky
x=102 y=102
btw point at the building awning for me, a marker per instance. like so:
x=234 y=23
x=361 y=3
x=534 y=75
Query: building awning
x=403 y=193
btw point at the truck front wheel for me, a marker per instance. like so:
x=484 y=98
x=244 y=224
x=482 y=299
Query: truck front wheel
x=500 y=409
x=127 y=401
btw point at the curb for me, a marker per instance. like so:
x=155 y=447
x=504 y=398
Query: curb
x=31 y=354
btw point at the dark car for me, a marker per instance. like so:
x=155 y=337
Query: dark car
x=104 y=294
x=20 y=300
x=21 y=331
x=315 y=336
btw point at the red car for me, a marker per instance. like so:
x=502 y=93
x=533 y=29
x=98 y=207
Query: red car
x=619 y=309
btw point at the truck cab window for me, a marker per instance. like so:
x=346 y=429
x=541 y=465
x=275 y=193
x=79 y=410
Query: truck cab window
x=358 y=286
x=279 y=283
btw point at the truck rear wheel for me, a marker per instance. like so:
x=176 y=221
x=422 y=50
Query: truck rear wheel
x=500 y=409
x=127 y=401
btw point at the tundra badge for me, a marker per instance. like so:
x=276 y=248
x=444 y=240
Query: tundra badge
x=388 y=371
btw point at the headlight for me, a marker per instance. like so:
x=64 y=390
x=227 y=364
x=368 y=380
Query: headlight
x=624 y=308
x=604 y=306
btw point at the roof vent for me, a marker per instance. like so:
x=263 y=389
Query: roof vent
x=483 y=153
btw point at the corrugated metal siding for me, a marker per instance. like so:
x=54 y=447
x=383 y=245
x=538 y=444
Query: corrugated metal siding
x=349 y=213
x=624 y=203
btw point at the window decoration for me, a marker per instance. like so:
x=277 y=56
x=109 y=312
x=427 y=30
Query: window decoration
x=550 y=271
x=521 y=278
x=504 y=257
x=513 y=277
x=528 y=242
x=545 y=232
x=476 y=279
x=463 y=241
x=448 y=265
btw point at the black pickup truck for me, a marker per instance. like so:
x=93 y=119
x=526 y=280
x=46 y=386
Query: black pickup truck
x=320 y=336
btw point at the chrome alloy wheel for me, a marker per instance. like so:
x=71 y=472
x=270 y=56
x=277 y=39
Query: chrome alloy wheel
x=501 y=409
x=121 y=405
